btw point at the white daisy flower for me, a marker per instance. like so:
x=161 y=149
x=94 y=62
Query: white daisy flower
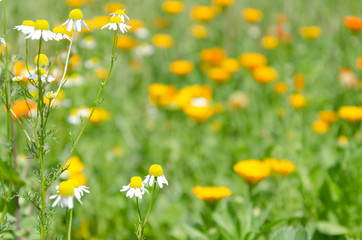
x=3 y=41
x=50 y=95
x=18 y=78
x=135 y=188
x=59 y=33
x=66 y=191
x=41 y=30
x=42 y=73
x=79 y=192
x=27 y=27
x=88 y=42
x=155 y=174
x=120 y=13
x=144 y=49
x=116 y=23
x=75 y=20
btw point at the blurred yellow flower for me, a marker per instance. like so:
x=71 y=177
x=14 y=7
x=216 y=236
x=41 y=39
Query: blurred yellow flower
x=112 y=7
x=213 y=56
x=280 y=87
x=211 y=194
x=79 y=177
x=172 y=7
x=230 y=64
x=181 y=67
x=320 y=126
x=74 y=165
x=126 y=42
x=199 y=31
x=117 y=150
x=286 y=167
x=216 y=126
x=160 y=22
x=299 y=82
x=75 y=3
x=264 y=74
x=101 y=73
x=273 y=164
x=186 y=94
x=99 y=115
x=135 y=24
x=218 y=75
x=253 y=171
x=199 y=113
x=202 y=13
x=269 y=42
x=222 y=3
x=328 y=116
x=342 y=141
x=252 y=60
x=252 y=15
x=311 y=32
x=162 y=40
x=350 y=113
x=161 y=95
x=298 y=101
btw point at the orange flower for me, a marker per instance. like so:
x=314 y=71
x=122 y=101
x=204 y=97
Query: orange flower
x=202 y=13
x=135 y=24
x=161 y=95
x=320 y=126
x=222 y=3
x=213 y=56
x=298 y=101
x=252 y=60
x=126 y=42
x=253 y=171
x=22 y=108
x=112 y=7
x=299 y=82
x=211 y=194
x=162 y=40
x=264 y=74
x=280 y=87
x=353 y=23
x=359 y=63
x=173 y=7
x=199 y=31
x=252 y=15
x=230 y=64
x=328 y=116
x=182 y=67
x=219 y=75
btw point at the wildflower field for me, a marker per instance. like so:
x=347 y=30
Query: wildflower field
x=200 y=120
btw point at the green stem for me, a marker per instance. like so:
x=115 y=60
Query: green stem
x=26 y=55
x=69 y=227
x=8 y=113
x=139 y=210
x=96 y=102
x=150 y=206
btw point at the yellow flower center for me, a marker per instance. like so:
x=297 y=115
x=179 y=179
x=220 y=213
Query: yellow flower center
x=28 y=23
x=115 y=20
x=119 y=12
x=136 y=182
x=76 y=14
x=66 y=188
x=41 y=71
x=59 y=30
x=42 y=59
x=155 y=170
x=41 y=25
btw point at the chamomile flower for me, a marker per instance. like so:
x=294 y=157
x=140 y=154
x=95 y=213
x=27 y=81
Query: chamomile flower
x=26 y=27
x=135 y=188
x=65 y=194
x=79 y=190
x=75 y=20
x=50 y=95
x=41 y=30
x=3 y=41
x=155 y=174
x=120 y=13
x=116 y=23
x=18 y=78
x=42 y=73
x=60 y=34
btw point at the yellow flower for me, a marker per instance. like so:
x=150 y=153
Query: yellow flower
x=252 y=60
x=219 y=75
x=172 y=7
x=311 y=32
x=253 y=171
x=286 y=167
x=199 y=31
x=135 y=24
x=112 y=7
x=350 y=113
x=181 y=67
x=298 y=101
x=264 y=74
x=213 y=56
x=101 y=73
x=222 y=3
x=320 y=126
x=126 y=42
x=211 y=194
x=299 y=82
x=270 y=42
x=273 y=164
x=230 y=64
x=75 y=165
x=252 y=15
x=117 y=150
x=75 y=3
x=162 y=40
x=42 y=59
x=280 y=87
x=99 y=115
x=161 y=95
x=79 y=177
x=238 y=100
x=216 y=126
x=199 y=114
x=202 y=13
x=328 y=116
x=186 y=94
x=342 y=141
